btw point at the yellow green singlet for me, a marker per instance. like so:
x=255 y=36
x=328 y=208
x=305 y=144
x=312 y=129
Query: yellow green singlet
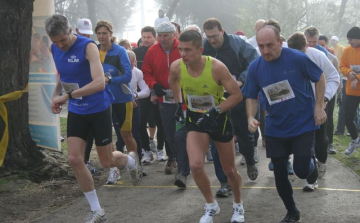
x=201 y=85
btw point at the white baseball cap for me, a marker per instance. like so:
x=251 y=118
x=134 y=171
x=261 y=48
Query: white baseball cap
x=84 y=26
x=335 y=38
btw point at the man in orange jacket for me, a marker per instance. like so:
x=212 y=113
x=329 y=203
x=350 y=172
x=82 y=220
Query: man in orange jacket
x=350 y=67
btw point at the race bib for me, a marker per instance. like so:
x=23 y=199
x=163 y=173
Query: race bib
x=68 y=87
x=355 y=68
x=278 y=92
x=169 y=97
x=200 y=103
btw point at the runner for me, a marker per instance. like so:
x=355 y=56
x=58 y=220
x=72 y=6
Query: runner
x=203 y=80
x=284 y=76
x=80 y=73
x=117 y=69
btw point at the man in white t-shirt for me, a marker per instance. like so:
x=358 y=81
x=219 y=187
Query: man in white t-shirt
x=298 y=41
x=162 y=18
x=258 y=25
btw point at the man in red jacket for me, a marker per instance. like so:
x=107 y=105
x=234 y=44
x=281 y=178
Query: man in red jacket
x=156 y=69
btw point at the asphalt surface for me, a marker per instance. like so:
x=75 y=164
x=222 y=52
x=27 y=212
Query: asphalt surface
x=157 y=200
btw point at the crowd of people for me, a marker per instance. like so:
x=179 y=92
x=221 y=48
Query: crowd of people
x=204 y=94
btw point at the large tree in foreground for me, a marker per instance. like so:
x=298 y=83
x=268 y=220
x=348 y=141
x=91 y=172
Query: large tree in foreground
x=15 y=40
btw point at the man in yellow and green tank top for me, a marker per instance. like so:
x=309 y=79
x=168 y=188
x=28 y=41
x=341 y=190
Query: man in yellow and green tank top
x=203 y=81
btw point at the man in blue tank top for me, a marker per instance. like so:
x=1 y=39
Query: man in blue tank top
x=81 y=75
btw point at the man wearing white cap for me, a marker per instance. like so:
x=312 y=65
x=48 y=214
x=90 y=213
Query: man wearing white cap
x=84 y=28
x=156 y=69
x=339 y=49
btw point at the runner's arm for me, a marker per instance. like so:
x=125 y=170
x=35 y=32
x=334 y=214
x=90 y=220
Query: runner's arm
x=223 y=77
x=251 y=109
x=175 y=80
x=319 y=113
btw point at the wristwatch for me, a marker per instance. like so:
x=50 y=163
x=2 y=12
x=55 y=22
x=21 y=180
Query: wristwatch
x=218 y=110
x=326 y=99
x=109 y=77
x=69 y=94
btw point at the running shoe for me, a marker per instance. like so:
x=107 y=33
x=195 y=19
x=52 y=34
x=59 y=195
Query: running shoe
x=209 y=157
x=237 y=149
x=136 y=173
x=114 y=176
x=290 y=168
x=181 y=181
x=271 y=166
x=152 y=145
x=353 y=145
x=92 y=169
x=256 y=155
x=170 y=166
x=330 y=149
x=252 y=172
x=224 y=190
x=147 y=158
x=160 y=155
x=243 y=160
x=238 y=213
x=210 y=211
x=321 y=169
x=96 y=217
x=310 y=187
x=291 y=217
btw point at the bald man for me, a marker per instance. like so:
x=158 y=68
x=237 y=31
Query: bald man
x=284 y=76
x=258 y=25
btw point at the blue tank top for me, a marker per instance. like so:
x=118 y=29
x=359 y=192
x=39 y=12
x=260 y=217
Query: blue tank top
x=74 y=71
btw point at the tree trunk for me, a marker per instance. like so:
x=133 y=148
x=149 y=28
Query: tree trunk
x=341 y=15
x=170 y=13
x=15 y=39
x=92 y=15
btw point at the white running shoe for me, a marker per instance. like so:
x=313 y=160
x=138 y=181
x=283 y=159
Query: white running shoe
x=113 y=177
x=310 y=187
x=96 y=217
x=321 y=169
x=238 y=213
x=147 y=158
x=243 y=160
x=136 y=173
x=160 y=155
x=210 y=211
x=353 y=145
x=152 y=145
x=256 y=155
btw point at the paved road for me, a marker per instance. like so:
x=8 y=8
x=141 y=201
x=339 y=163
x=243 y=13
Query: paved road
x=158 y=201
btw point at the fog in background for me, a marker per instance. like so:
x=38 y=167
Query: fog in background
x=331 y=17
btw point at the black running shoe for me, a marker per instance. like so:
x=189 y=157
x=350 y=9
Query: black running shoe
x=291 y=217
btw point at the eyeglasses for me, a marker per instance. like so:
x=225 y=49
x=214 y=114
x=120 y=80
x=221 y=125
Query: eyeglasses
x=213 y=36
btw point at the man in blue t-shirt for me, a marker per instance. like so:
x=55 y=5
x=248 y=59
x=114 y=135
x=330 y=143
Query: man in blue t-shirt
x=284 y=75
x=81 y=75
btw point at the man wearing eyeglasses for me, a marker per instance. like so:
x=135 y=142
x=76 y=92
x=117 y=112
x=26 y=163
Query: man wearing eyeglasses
x=236 y=53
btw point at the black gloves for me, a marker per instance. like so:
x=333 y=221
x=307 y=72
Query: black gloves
x=179 y=114
x=207 y=121
x=159 y=90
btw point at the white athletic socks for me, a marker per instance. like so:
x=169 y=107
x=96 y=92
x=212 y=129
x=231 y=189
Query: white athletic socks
x=113 y=168
x=131 y=164
x=93 y=200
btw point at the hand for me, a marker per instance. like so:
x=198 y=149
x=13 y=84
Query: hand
x=207 y=121
x=135 y=105
x=352 y=75
x=179 y=114
x=253 y=124
x=239 y=83
x=159 y=90
x=354 y=83
x=56 y=108
x=154 y=99
x=319 y=115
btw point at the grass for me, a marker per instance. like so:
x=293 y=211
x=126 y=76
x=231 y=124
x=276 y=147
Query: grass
x=340 y=143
